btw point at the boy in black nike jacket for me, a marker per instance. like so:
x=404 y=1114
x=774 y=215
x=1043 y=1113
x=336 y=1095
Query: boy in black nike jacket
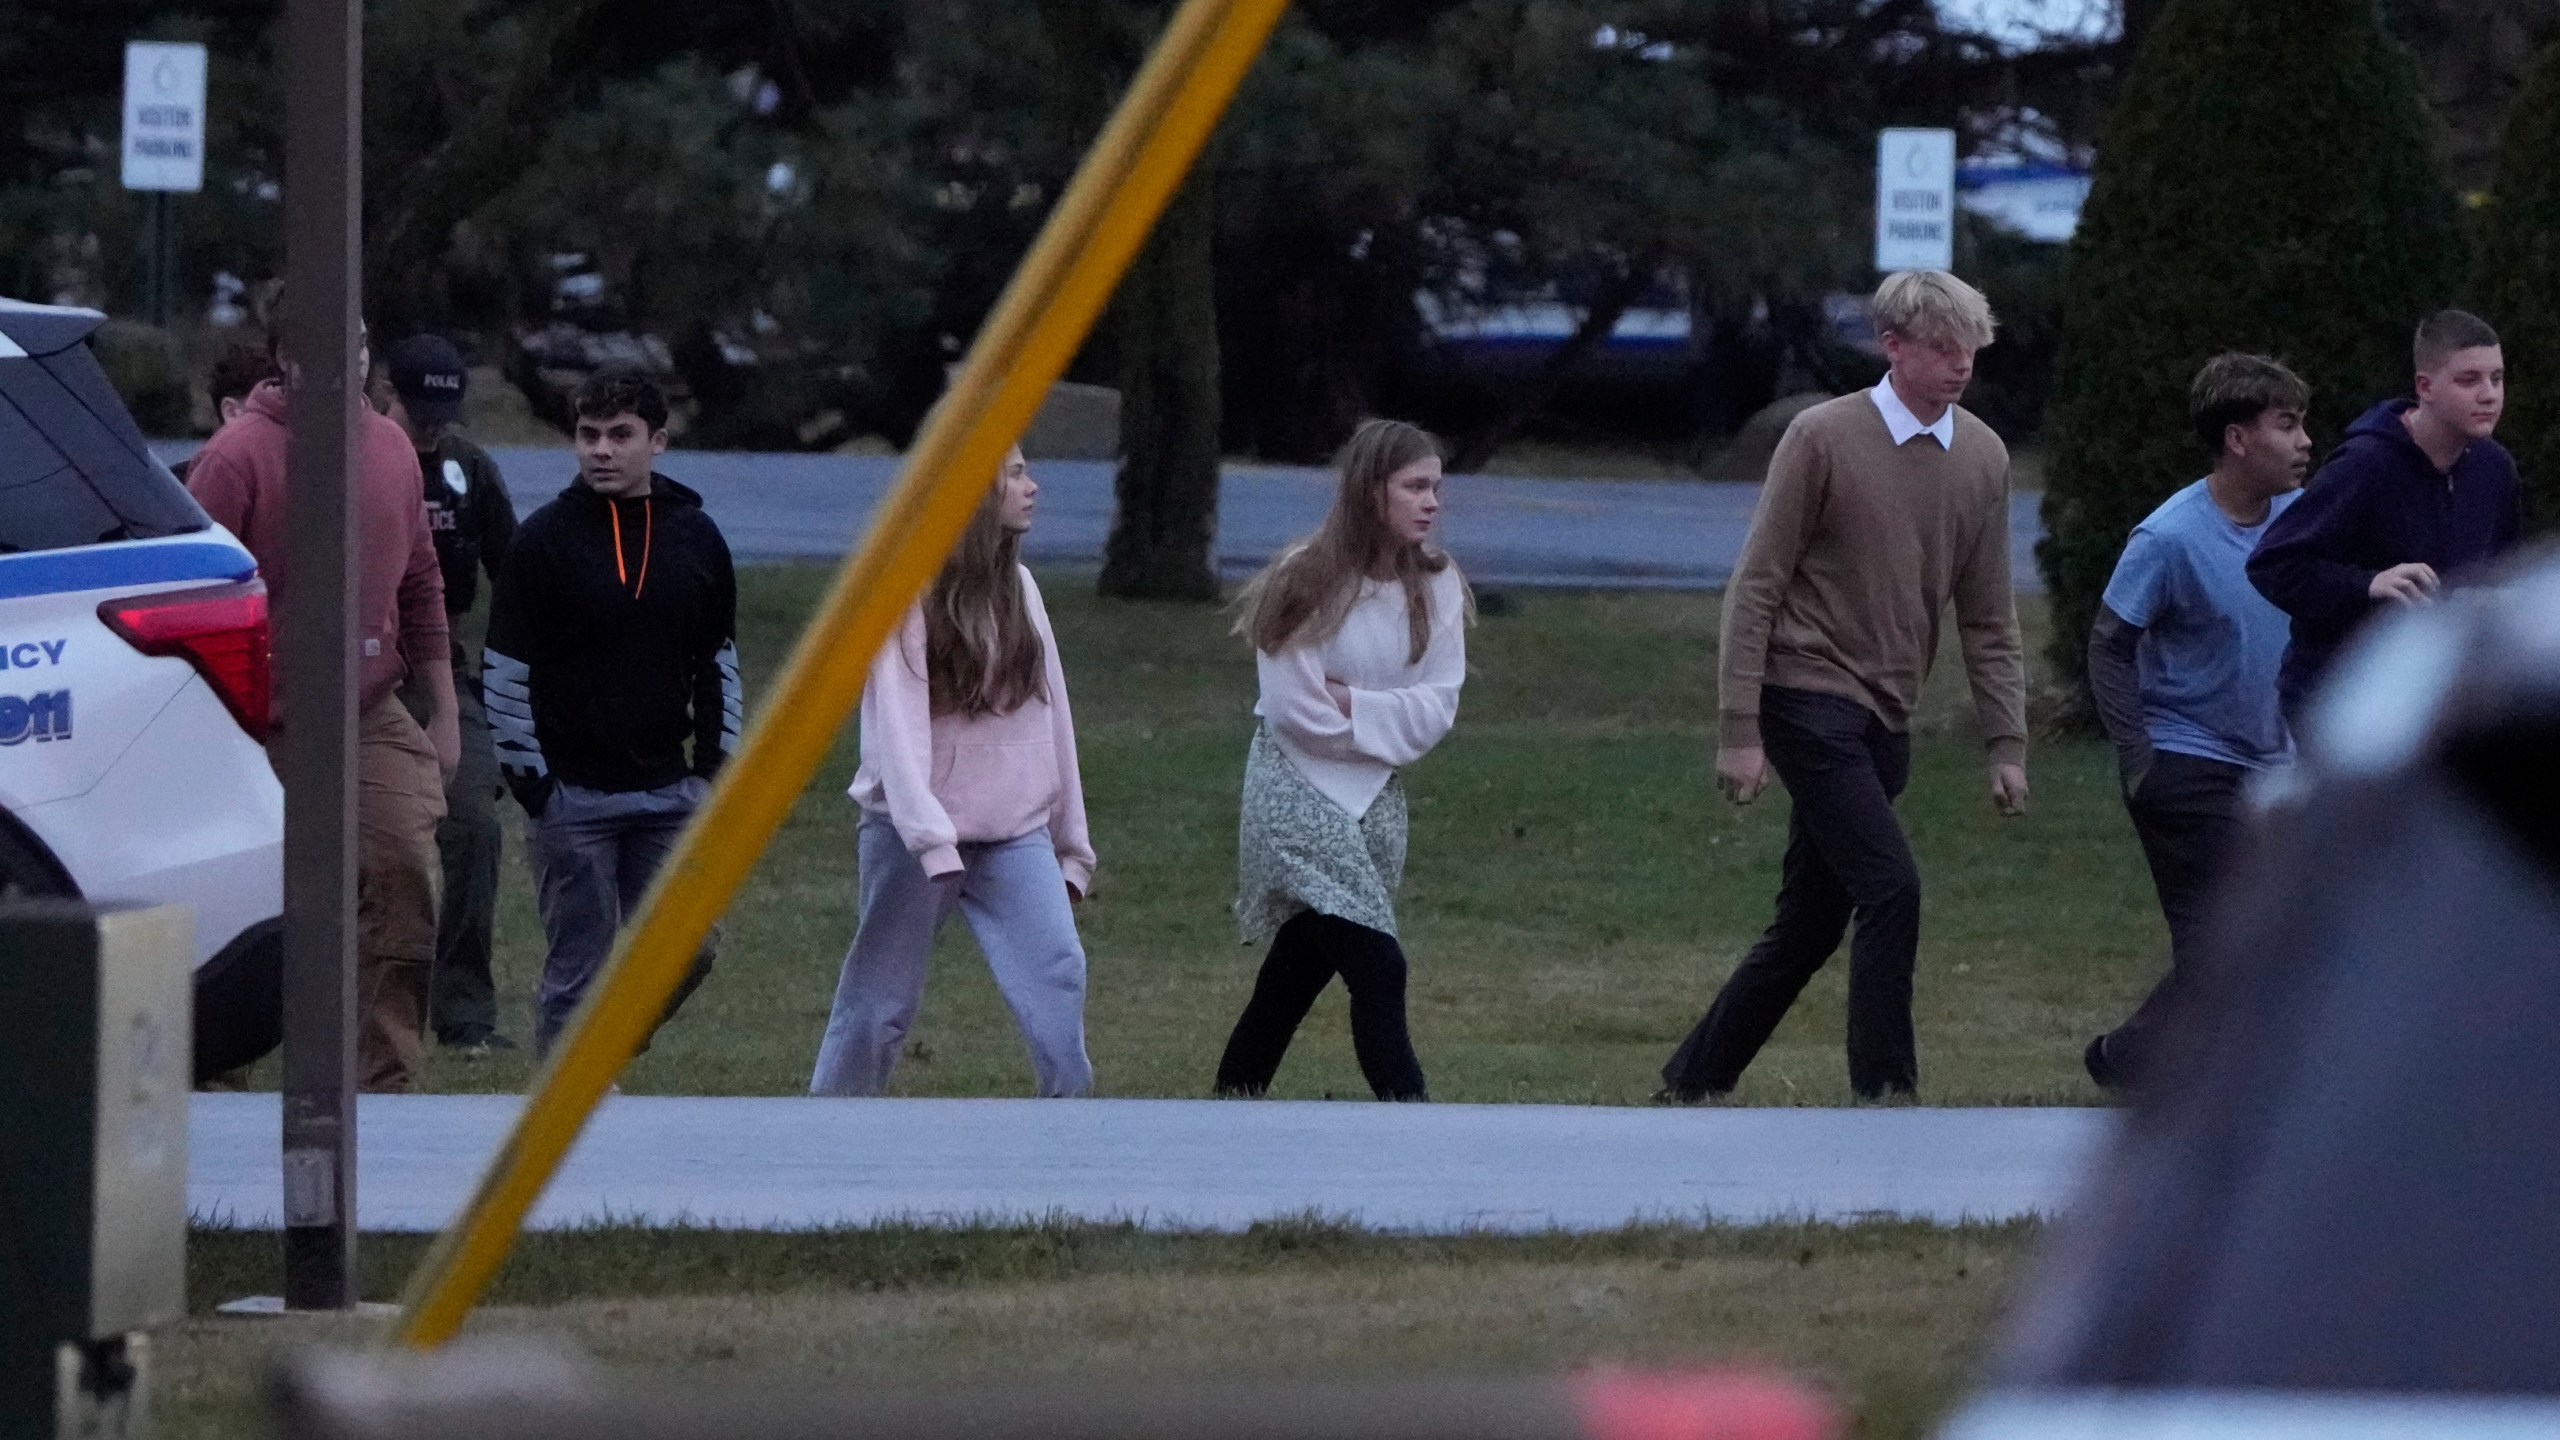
x=611 y=643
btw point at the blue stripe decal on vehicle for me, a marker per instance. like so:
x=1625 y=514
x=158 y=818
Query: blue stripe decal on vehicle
x=110 y=567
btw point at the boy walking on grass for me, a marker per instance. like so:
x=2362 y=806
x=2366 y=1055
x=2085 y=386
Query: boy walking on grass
x=2183 y=662
x=2417 y=497
x=610 y=647
x=1881 y=508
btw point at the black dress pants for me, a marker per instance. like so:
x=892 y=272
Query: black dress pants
x=462 y=998
x=239 y=1007
x=1847 y=858
x=2187 y=814
x=1308 y=952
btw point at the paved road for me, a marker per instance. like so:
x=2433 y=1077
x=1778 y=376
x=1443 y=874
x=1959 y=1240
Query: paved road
x=1505 y=530
x=783 y=1163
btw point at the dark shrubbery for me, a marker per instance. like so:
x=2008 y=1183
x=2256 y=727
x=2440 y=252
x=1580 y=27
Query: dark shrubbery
x=2265 y=184
x=2519 y=283
x=149 y=372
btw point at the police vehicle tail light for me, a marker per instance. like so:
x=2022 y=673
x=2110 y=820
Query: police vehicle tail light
x=219 y=629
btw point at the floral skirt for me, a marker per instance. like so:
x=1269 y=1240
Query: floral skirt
x=1297 y=850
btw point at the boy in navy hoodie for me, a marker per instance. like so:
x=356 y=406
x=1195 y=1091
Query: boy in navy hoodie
x=2417 y=497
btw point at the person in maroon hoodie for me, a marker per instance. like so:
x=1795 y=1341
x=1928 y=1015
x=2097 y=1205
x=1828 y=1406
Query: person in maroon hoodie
x=401 y=767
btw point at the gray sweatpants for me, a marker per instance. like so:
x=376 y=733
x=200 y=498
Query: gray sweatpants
x=594 y=853
x=1015 y=900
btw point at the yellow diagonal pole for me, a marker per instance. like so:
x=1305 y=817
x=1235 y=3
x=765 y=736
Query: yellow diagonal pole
x=1134 y=167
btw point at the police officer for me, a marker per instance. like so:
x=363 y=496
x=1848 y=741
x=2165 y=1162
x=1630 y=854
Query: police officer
x=421 y=387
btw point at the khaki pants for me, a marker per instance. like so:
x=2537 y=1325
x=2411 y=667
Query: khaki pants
x=399 y=877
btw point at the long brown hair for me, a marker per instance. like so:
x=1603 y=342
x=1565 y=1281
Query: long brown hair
x=982 y=655
x=1303 y=595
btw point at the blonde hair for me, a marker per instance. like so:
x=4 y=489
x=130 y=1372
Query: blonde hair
x=1930 y=305
x=982 y=655
x=1303 y=595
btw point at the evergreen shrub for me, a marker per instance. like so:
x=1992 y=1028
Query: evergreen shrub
x=149 y=373
x=2518 y=287
x=2265 y=183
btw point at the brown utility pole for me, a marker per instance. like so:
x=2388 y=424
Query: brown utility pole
x=324 y=154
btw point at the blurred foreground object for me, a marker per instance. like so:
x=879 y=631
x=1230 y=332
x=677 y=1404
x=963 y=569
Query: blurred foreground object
x=93 y=1161
x=504 y=1389
x=2343 y=1194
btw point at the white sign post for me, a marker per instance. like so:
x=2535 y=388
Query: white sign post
x=163 y=116
x=163 y=141
x=1916 y=200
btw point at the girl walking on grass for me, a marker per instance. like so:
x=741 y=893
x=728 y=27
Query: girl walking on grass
x=970 y=800
x=1359 y=637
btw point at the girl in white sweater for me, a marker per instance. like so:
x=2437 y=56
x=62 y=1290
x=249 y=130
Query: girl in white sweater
x=971 y=800
x=1359 y=634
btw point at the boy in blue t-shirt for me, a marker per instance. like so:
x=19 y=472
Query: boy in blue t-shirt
x=2183 y=662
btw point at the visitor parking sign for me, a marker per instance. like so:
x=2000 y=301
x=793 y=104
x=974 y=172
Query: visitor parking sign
x=163 y=116
x=1916 y=200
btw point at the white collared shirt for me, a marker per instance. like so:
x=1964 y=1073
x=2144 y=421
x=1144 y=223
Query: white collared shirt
x=1899 y=419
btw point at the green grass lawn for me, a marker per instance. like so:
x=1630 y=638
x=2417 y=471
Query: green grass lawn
x=1891 y=1318
x=1576 y=890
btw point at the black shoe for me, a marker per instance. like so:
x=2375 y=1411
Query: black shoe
x=2101 y=1069
x=1673 y=1095
x=475 y=1043
x=1891 y=1095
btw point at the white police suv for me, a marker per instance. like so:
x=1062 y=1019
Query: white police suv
x=134 y=668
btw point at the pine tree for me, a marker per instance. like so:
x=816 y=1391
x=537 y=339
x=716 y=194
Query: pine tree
x=2266 y=183
x=2519 y=282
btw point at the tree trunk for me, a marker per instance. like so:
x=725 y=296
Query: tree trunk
x=1480 y=444
x=1163 y=543
x=1159 y=340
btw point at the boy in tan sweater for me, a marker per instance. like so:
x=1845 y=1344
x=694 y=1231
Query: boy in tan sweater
x=1881 y=508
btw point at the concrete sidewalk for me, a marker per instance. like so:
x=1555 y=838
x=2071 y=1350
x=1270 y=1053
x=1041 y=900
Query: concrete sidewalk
x=789 y=1163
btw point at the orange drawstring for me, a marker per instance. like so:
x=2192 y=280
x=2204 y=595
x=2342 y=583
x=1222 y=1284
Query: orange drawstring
x=648 y=539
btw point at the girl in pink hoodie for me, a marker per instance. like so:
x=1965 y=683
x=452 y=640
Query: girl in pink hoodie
x=971 y=801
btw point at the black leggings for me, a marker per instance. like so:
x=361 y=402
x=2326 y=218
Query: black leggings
x=1305 y=956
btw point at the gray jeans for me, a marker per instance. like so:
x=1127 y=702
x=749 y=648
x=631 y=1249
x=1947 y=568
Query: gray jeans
x=1015 y=900
x=594 y=853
